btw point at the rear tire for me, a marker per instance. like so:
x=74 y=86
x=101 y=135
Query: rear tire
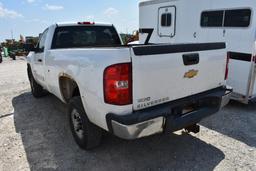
x=36 y=89
x=86 y=134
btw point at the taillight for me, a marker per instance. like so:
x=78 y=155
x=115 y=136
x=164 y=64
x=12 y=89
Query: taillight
x=118 y=84
x=227 y=65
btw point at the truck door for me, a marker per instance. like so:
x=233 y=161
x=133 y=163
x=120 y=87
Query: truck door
x=38 y=69
x=166 y=21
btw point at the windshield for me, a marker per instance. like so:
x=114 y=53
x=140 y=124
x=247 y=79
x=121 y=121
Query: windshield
x=85 y=36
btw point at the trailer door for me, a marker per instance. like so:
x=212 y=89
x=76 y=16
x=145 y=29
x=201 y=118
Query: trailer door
x=166 y=21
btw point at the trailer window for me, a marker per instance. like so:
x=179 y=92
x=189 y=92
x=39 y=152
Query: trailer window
x=237 y=18
x=166 y=20
x=212 y=19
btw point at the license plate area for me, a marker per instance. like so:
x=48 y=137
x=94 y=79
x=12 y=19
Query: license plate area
x=194 y=105
x=185 y=109
x=188 y=109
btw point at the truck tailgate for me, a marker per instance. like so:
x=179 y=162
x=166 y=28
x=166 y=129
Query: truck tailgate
x=163 y=73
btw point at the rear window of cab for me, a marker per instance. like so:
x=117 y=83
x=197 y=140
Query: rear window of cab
x=85 y=36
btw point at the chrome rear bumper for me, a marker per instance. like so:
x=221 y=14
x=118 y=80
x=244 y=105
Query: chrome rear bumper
x=138 y=130
x=165 y=118
x=226 y=98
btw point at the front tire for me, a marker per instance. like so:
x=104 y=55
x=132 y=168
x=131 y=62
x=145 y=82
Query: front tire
x=86 y=134
x=36 y=89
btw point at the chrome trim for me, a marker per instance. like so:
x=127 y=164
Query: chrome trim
x=138 y=130
x=152 y=2
x=239 y=97
x=226 y=98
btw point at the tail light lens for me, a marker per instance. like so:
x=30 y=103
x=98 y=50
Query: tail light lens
x=227 y=65
x=118 y=84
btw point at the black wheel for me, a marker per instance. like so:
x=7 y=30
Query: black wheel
x=13 y=57
x=36 y=89
x=86 y=134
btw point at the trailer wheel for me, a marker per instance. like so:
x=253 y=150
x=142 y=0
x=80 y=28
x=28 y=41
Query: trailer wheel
x=86 y=134
x=36 y=89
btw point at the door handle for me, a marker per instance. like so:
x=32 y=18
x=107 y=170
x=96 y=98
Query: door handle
x=191 y=59
x=40 y=60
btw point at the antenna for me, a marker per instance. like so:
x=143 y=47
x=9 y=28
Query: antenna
x=12 y=34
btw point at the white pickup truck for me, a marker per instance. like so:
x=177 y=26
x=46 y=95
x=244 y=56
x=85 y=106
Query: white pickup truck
x=130 y=91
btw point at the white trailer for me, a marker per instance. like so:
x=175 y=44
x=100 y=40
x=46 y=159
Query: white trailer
x=186 y=21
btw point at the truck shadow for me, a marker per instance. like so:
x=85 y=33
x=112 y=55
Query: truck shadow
x=47 y=140
x=237 y=121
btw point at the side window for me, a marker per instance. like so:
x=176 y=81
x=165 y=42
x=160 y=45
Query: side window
x=41 y=43
x=212 y=19
x=237 y=18
x=166 y=20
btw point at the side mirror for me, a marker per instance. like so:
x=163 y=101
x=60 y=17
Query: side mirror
x=29 y=47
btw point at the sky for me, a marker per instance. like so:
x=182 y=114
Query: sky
x=31 y=17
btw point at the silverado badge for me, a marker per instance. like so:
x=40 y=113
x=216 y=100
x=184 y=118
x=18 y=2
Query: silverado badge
x=191 y=74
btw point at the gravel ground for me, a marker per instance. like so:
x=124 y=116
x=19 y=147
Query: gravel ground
x=34 y=135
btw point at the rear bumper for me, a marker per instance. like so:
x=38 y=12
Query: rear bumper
x=169 y=116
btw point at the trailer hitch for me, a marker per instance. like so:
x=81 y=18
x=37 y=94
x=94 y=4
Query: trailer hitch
x=193 y=128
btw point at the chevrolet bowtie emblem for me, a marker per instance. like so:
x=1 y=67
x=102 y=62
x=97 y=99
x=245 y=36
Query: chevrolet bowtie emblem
x=191 y=73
